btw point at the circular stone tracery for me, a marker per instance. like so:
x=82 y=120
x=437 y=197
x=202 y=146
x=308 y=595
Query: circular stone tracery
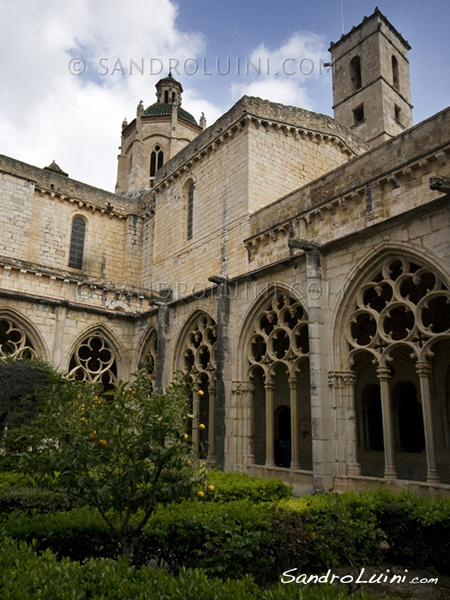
x=199 y=356
x=14 y=341
x=280 y=334
x=404 y=303
x=94 y=361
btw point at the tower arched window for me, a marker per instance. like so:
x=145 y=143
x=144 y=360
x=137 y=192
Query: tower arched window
x=156 y=160
x=77 y=243
x=395 y=80
x=190 y=212
x=355 y=73
x=166 y=97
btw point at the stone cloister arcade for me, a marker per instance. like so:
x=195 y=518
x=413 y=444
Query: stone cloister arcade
x=395 y=375
x=389 y=387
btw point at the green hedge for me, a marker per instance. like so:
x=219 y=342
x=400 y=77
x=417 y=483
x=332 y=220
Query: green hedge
x=226 y=540
x=32 y=499
x=416 y=529
x=232 y=539
x=79 y=534
x=16 y=479
x=240 y=486
x=18 y=492
x=25 y=575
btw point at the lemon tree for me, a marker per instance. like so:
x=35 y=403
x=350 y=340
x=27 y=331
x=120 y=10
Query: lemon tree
x=122 y=452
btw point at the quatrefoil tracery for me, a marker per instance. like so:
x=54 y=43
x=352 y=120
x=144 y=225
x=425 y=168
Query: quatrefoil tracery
x=403 y=304
x=94 y=361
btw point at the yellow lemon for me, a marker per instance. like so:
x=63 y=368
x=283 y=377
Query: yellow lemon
x=211 y=488
x=200 y=495
x=92 y=437
x=188 y=463
x=103 y=443
x=201 y=393
x=185 y=436
x=201 y=426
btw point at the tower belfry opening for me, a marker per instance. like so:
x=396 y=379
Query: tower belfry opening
x=156 y=134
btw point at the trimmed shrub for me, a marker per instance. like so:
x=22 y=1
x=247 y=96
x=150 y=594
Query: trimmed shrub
x=18 y=492
x=24 y=575
x=21 y=382
x=79 y=534
x=240 y=486
x=29 y=499
x=319 y=532
x=232 y=539
x=417 y=531
x=226 y=540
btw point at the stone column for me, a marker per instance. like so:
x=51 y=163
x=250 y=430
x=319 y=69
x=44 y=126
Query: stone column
x=212 y=423
x=248 y=389
x=384 y=376
x=321 y=405
x=269 y=385
x=293 y=383
x=195 y=421
x=58 y=345
x=348 y=402
x=423 y=369
x=343 y=385
x=163 y=333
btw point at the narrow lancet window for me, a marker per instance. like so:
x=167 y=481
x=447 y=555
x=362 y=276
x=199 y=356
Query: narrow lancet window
x=190 y=212
x=355 y=73
x=156 y=160
x=77 y=243
x=395 y=81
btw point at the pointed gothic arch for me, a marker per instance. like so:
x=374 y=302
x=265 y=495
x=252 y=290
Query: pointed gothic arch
x=196 y=358
x=19 y=337
x=96 y=356
x=147 y=352
x=273 y=355
x=393 y=328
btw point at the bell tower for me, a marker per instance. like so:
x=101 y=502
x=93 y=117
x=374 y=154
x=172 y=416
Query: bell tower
x=156 y=134
x=168 y=91
x=371 y=87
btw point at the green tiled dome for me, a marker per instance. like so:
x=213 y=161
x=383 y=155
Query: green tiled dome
x=166 y=109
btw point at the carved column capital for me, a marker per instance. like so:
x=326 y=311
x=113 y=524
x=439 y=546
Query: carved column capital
x=236 y=387
x=423 y=368
x=384 y=373
x=293 y=382
x=269 y=384
x=247 y=387
x=242 y=387
x=337 y=379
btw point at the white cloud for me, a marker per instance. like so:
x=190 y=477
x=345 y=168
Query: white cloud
x=286 y=73
x=45 y=112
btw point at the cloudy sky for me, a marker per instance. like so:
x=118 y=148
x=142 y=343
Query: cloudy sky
x=73 y=70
